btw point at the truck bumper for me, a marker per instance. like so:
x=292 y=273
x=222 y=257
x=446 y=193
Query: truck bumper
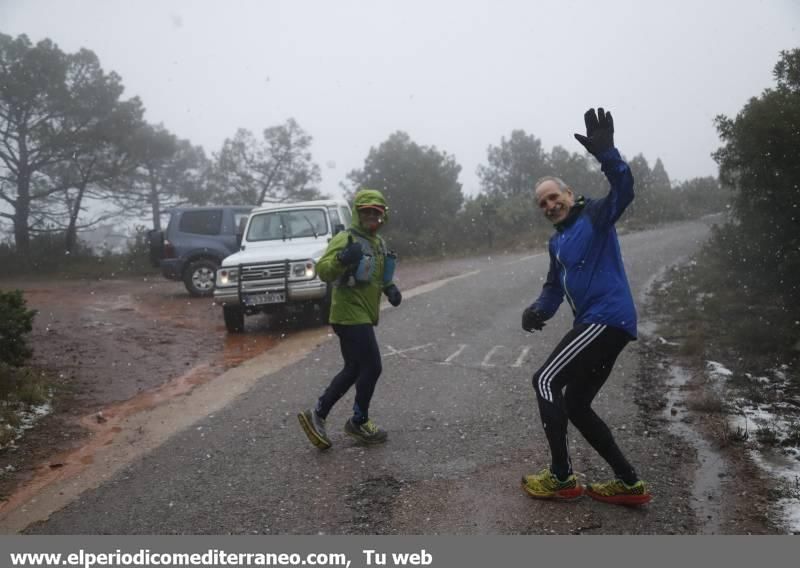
x=307 y=291
x=228 y=295
x=304 y=291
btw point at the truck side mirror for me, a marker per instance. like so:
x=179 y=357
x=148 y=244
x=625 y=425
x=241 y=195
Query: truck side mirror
x=338 y=228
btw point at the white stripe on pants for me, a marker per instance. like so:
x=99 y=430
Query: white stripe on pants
x=565 y=356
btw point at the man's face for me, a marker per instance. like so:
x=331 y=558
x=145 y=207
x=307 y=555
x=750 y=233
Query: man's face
x=370 y=218
x=554 y=203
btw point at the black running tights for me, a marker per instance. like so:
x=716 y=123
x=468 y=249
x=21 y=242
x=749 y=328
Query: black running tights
x=565 y=387
x=362 y=367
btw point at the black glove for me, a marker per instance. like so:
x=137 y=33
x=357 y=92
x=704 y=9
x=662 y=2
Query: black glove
x=394 y=295
x=351 y=254
x=599 y=132
x=532 y=319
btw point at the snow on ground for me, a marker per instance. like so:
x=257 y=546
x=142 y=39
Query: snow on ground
x=27 y=419
x=31 y=416
x=771 y=424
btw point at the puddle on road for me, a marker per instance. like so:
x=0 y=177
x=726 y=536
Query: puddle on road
x=707 y=488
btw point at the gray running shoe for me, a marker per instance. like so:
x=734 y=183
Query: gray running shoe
x=366 y=433
x=314 y=427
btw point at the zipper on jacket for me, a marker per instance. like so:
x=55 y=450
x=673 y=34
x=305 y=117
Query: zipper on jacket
x=564 y=280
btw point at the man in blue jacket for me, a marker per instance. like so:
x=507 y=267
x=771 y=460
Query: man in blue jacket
x=586 y=268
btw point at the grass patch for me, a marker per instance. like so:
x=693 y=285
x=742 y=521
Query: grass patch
x=792 y=437
x=715 y=312
x=708 y=403
x=33 y=393
x=753 y=392
x=21 y=387
x=7 y=435
x=767 y=436
x=8 y=416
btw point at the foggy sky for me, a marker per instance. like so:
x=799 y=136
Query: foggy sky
x=455 y=74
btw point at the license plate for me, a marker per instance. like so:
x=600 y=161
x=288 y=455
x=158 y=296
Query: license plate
x=268 y=298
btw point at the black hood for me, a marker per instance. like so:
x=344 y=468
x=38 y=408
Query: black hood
x=574 y=212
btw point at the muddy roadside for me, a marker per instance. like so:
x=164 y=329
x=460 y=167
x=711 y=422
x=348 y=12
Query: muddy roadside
x=729 y=494
x=119 y=346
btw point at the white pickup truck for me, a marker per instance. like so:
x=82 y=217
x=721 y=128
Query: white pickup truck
x=275 y=267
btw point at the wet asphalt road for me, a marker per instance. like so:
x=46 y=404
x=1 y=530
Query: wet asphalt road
x=456 y=399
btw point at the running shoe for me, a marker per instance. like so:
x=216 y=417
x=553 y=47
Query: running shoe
x=314 y=427
x=619 y=492
x=366 y=433
x=545 y=485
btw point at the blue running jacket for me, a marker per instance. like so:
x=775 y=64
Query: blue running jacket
x=585 y=260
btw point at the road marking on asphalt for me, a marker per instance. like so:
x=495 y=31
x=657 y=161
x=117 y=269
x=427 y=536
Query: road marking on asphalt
x=492 y=351
x=486 y=362
x=521 y=358
x=402 y=352
x=450 y=358
x=524 y=258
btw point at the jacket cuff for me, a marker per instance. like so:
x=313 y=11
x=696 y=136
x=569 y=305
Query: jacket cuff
x=612 y=154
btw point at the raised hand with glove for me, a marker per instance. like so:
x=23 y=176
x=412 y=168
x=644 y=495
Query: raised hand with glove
x=393 y=294
x=532 y=319
x=351 y=254
x=599 y=132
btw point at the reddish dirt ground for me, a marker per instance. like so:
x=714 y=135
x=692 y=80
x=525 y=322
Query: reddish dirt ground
x=117 y=346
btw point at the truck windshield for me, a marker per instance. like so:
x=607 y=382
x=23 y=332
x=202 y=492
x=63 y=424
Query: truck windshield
x=294 y=224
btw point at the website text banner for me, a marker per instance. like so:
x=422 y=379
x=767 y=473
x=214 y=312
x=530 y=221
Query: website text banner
x=392 y=551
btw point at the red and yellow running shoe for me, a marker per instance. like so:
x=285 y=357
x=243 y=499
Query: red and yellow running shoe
x=545 y=485
x=619 y=493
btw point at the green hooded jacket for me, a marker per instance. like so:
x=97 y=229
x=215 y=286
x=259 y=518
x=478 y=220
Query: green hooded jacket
x=360 y=303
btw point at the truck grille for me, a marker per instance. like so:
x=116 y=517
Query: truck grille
x=268 y=271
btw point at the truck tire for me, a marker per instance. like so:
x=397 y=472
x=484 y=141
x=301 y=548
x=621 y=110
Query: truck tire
x=199 y=277
x=234 y=318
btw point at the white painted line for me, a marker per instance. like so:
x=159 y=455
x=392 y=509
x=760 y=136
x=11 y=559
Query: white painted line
x=461 y=348
x=524 y=259
x=521 y=358
x=492 y=351
x=402 y=352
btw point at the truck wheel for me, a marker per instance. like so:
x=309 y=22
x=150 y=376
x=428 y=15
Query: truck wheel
x=199 y=277
x=234 y=318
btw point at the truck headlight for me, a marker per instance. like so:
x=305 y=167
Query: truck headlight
x=227 y=276
x=303 y=270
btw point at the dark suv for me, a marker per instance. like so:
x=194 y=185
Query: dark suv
x=195 y=242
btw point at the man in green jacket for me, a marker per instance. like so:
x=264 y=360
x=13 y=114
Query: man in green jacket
x=360 y=268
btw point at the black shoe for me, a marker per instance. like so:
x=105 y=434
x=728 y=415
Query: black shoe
x=314 y=427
